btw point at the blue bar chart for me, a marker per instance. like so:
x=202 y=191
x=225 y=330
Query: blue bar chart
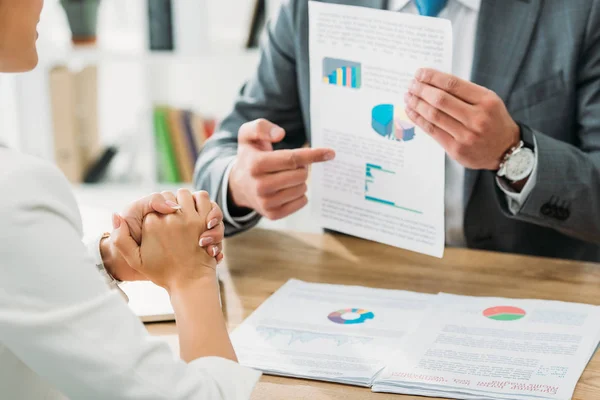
x=343 y=73
x=381 y=187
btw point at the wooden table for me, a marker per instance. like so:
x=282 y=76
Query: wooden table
x=260 y=261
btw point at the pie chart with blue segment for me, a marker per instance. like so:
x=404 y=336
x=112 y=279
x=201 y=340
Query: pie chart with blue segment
x=392 y=123
x=383 y=119
x=350 y=316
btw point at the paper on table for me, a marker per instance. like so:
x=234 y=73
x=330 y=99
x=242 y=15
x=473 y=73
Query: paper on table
x=387 y=182
x=328 y=332
x=498 y=348
x=149 y=302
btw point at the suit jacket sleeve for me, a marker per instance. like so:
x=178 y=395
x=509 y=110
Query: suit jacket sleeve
x=272 y=94
x=566 y=196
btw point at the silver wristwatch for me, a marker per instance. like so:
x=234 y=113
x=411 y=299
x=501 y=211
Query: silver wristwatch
x=517 y=164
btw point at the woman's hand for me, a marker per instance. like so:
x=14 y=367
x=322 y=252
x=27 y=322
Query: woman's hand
x=134 y=214
x=166 y=203
x=212 y=238
x=169 y=255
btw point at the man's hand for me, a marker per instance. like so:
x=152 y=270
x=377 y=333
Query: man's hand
x=163 y=203
x=469 y=121
x=271 y=182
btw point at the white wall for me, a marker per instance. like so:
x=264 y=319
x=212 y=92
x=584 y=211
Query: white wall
x=9 y=128
x=204 y=74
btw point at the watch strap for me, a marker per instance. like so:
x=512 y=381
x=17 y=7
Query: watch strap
x=527 y=136
x=506 y=157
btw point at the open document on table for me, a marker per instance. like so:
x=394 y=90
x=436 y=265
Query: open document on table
x=421 y=344
x=468 y=347
x=387 y=181
x=328 y=332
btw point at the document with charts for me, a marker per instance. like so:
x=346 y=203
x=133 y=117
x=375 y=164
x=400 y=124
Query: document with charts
x=387 y=181
x=421 y=344
x=328 y=332
x=493 y=348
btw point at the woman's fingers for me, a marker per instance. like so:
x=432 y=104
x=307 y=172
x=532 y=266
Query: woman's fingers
x=186 y=201
x=215 y=216
x=212 y=236
x=215 y=250
x=161 y=204
x=135 y=212
x=170 y=199
x=203 y=205
x=211 y=239
x=124 y=243
x=216 y=230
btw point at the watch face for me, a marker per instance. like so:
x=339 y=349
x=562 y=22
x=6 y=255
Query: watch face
x=520 y=165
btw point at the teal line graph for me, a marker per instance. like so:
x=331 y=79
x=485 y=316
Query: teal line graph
x=372 y=184
x=299 y=336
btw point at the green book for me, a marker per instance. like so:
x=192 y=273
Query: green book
x=167 y=164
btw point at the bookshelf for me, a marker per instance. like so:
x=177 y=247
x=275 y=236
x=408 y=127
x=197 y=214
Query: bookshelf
x=203 y=74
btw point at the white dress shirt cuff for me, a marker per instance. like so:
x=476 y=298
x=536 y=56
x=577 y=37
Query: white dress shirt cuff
x=515 y=199
x=223 y=370
x=93 y=248
x=235 y=221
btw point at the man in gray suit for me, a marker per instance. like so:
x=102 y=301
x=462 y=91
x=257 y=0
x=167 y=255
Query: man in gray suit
x=519 y=120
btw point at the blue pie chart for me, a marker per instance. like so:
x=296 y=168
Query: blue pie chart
x=392 y=123
x=382 y=117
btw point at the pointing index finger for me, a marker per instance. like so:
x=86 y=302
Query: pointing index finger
x=293 y=159
x=464 y=90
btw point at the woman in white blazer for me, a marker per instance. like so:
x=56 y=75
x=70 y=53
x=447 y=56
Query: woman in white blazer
x=64 y=333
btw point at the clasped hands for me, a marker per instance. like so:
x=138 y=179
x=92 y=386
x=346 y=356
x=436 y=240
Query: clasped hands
x=165 y=238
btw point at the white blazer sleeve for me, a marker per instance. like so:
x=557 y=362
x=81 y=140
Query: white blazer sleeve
x=59 y=317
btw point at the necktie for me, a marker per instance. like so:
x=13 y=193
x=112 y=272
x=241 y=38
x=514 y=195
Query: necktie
x=430 y=8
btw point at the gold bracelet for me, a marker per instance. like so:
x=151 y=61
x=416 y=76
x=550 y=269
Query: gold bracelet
x=106 y=235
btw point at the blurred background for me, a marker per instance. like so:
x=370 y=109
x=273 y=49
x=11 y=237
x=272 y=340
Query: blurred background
x=127 y=91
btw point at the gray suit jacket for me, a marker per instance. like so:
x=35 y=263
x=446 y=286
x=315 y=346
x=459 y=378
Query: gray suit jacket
x=542 y=57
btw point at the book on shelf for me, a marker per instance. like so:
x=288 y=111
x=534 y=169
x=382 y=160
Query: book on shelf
x=74 y=105
x=160 y=25
x=184 y=162
x=257 y=23
x=264 y=10
x=192 y=144
x=86 y=89
x=167 y=168
x=179 y=136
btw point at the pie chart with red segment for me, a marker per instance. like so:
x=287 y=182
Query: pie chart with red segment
x=504 y=313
